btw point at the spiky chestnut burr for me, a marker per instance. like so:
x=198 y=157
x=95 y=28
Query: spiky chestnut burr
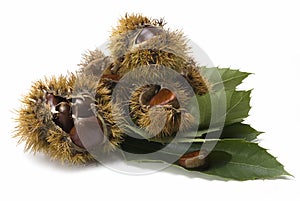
x=59 y=118
x=142 y=42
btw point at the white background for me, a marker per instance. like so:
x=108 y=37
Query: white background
x=41 y=38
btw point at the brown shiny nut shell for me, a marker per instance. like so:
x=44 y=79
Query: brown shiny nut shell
x=51 y=100
x=163 y=97
x=147 y=33
x=82 y=107
x=64 y=117
x=195 y=159
x=87 y=133
x=148 y=94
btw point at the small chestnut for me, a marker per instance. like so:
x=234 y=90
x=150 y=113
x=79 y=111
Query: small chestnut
x=87 y=133
x=195 y=159
x=164 y=97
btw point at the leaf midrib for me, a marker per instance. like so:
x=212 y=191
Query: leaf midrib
x=255 y=166
x=228 y=79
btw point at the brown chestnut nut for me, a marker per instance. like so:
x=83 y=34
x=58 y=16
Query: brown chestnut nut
x=87 y=133
x=51 y=100
x=64 y=116
x=82 y=107
x=147 y=33
x=195 y=159
x=61 y=110
x=164 y=97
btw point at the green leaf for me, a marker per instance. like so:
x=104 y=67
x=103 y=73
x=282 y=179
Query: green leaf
x=233 y=131
x=239 y=130
x=238 y=106
x=242 y=160
x=231 y=159
x=230 y=106
x=223 y=77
